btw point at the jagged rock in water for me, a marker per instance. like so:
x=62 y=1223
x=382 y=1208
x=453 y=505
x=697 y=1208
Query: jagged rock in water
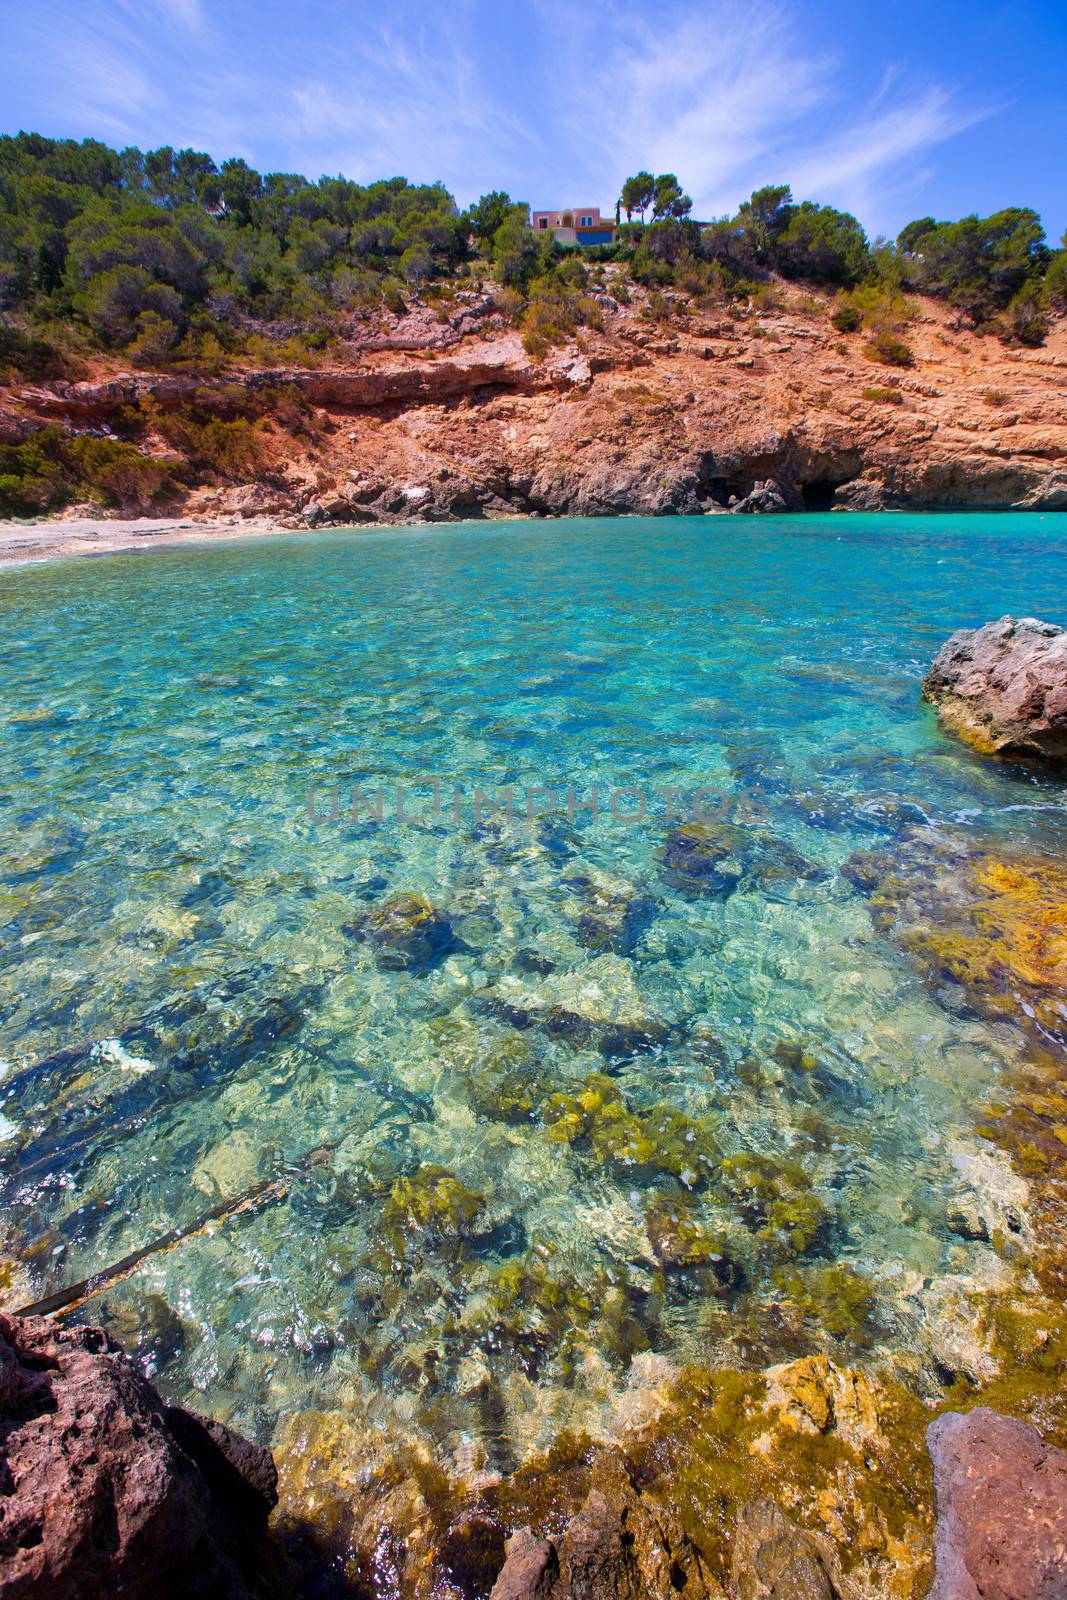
x=405 y=931
x=107 y=1490
x=1001 y=1509
x=773 y=1559
x=765 y=496
x=860 y=494
x=621 y=1545
x=1003 y=688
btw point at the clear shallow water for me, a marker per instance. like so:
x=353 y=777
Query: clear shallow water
x=183 y=1015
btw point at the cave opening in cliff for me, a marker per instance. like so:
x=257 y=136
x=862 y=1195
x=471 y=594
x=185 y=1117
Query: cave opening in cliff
x=818 y=495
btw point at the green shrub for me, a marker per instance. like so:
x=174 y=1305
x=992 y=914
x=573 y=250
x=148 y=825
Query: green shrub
x=877 y=305
x=979 y=263
x=1056 y=281
x=1026 y=320
x=554 y=313
x=28 y=355
x=51 y=469
x=889 y=349
x=846 y=317
x=885 y=397
x=216 y=448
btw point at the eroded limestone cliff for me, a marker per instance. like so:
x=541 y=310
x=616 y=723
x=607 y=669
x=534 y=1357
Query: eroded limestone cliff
x=441 y=414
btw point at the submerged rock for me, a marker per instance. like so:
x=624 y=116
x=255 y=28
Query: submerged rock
x=1001 y=1509
x=773 y=1559
x=1003 y=688
x=710 y=857
x=614 y=913
x=107 y=1490
x=716 y=857
x=404 y=931
x=989 y=919
x=600 y=1004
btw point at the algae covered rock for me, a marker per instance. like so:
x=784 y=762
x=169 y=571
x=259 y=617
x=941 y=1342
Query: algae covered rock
x=406 y=931
x=814 y=1395
x=684 y=1239
x=1003 y=688
x=657 y=1138
x=504 y=1080
x=599 y=1004
x=834 y=1298
x=708 y=857
x=990 y=918
x=432 y=1203
x=777 y=1201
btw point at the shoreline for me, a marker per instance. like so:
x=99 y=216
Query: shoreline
x=34 y=543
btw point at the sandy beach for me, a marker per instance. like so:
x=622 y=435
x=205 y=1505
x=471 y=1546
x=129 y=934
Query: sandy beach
x=85 y=536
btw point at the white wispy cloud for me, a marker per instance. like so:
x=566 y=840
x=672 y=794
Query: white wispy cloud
x=706 y=92
x=410 y=100
x=731 y=95
x=555 y=101
x=846 y=165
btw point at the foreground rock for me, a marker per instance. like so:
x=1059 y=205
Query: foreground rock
x=1001 y=1509
x=104 y=1489
x=1003 y=687
x=764 y=499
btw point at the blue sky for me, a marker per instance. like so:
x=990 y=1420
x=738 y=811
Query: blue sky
x=889 y=108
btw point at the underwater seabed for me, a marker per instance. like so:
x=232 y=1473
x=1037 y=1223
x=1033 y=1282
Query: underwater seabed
x=555 y=1133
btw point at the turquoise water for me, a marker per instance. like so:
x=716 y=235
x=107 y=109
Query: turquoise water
x=196 y=998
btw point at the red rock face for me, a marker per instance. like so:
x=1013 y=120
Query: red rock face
x=105 y=1490
x=422 y=419
x=1001 y=1509
x=1004 y=687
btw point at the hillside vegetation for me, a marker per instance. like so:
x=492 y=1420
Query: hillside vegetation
x=195 y=304
x=172 y=259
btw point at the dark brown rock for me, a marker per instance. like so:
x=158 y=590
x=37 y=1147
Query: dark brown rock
x=621 y=1545
x=1001 y=1509
x=1003 y=687
x=773 y=1559
x=104 y=1489
x=765 y=497
x=405 y=931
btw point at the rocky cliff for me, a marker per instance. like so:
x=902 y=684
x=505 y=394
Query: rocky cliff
x=663 y=409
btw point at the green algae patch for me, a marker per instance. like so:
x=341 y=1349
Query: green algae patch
x=597 y=1118
x=535 y=1308
x=431 y=1203
x=777 y=1201
x=505 y=1082
x=681 y=1237
x=836 y=1298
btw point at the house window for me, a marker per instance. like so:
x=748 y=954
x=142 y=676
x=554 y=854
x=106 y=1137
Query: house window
x=542 y=222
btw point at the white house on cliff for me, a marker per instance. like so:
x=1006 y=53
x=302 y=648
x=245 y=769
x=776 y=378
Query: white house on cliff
x=574 y=225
